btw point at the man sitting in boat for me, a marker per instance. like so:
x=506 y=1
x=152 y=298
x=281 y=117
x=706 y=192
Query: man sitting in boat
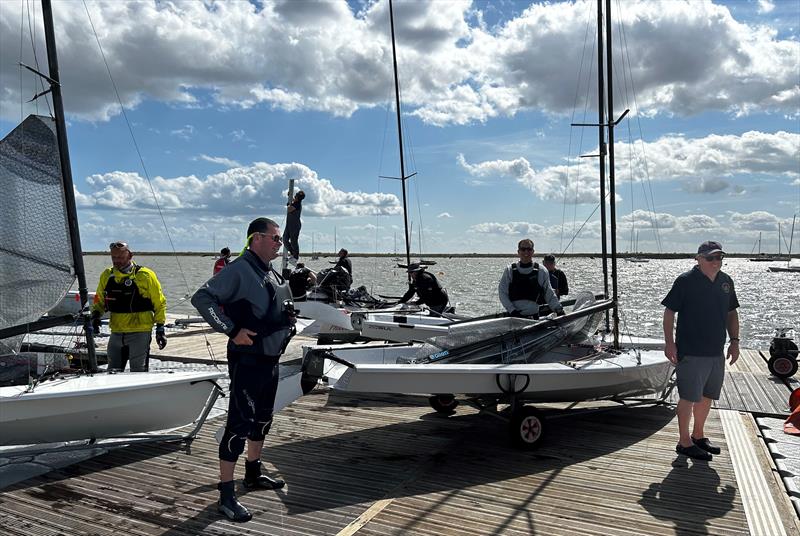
x=344 y=262
x=223 y=261
x=133 y=296
x=258 y=317
x=425 y=285
x=300 y=280
x=523 y=284
x=558 y=280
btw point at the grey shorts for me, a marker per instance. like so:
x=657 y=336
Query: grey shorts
x=133 y=347
x=700 y=376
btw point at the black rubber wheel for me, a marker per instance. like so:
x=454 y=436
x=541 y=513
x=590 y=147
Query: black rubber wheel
x=789 y=350
x=782 y=366
x=527 y=427
x=443 y=403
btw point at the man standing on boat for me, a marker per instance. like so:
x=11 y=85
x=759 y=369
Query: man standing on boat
x=291 y=234
x=706 y=303
x=345 y=262
x=223 y=261
x=133 y=296
x=251 y=303
x=524 y=283
x=558 y=280
x=426 y=286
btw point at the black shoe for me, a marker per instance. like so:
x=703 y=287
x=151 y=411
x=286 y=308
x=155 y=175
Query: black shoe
x=706 y=445
x=694 y=452
x=230 y=506
x=253 y=479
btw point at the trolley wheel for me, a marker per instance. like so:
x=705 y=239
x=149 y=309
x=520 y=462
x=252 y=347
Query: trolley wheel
x=527 y=427
x=782 y=366
x=443 y=403
x=788 y=349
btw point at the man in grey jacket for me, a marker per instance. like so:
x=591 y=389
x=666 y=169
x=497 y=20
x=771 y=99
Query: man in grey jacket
x=251 y=304
x=523 y=284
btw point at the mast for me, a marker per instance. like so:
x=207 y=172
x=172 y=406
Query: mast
x=400 y=136
x=611 y=185
x=602 y=148
x=66 y=173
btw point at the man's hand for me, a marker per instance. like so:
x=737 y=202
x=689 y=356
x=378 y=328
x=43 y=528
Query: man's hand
x=244 y=337
x=161 y=337
x=671 y=351
x=560 y=312
x=733 y=351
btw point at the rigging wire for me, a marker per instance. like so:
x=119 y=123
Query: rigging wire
x=144 y=169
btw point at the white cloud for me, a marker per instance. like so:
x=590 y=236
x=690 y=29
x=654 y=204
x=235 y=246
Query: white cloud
x=702 y=165
x=517 y=228
x=241 y=191
x=687 y=57
x=185 y=133
x=444 y=215
x=765 y=6
x=227 y=162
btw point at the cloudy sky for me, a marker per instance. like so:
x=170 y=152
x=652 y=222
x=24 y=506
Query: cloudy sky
x=227 y=101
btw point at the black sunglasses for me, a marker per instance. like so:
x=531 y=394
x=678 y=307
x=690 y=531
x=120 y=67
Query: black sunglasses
x=526 y=249
x=275 y=238
x=116 y=245
x=711 y=258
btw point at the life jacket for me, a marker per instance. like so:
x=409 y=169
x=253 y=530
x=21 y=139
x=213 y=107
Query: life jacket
x=124 y=296
x=298 y=282
x=273 y=330
x=524 y=286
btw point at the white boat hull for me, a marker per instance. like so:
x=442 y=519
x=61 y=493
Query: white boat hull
x=563 y=375
x=102 y=406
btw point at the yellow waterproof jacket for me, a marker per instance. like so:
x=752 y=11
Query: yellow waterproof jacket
x=148 y=286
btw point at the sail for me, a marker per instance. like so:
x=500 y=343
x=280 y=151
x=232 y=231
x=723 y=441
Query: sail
x=511 y=340
x=36 y=266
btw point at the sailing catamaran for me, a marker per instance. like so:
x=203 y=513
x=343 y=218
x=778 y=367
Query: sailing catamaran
x=509 y=360
x=40 y=258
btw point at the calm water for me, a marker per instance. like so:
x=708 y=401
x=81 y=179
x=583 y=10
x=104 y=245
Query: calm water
x=767 y=299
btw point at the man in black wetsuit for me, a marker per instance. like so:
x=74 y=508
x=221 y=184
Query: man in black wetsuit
x=292 y=232
x=251 y=304
x=425 y=285
x=558 y=279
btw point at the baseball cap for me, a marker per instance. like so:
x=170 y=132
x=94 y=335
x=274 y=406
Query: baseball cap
x=709 y=248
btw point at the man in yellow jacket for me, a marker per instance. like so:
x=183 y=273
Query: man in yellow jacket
x=133 y=296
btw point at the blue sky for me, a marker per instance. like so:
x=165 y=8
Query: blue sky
x=229 y=100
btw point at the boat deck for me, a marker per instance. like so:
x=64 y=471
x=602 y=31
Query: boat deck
x=380 y=465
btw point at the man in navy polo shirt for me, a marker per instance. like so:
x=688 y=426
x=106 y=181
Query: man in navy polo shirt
x=706 y=303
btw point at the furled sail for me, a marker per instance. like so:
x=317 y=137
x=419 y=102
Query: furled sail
x=36 y=266
x=512 y=340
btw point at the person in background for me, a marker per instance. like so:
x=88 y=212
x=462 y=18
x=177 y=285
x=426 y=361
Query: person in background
x=247 y=301
x=344 y=262
x=133 y=296
x=523 y=283
x=223 y=261
x=291 y=233
x=558 y=280
x=300 y=280
x=425 y=285
x=705 y=301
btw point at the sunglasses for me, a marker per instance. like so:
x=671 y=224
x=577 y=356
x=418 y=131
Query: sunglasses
x=275 y=238
x=712 y=258
x=117 y=245
x=526 y=249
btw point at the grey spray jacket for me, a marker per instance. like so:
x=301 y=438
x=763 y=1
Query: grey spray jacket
x=249 y=294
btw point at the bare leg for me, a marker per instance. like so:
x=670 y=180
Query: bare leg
x=226 y=470
x=254 y=450
x=700 y=412
x=684 y=411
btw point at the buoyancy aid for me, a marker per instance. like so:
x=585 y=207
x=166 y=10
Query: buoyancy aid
x=273 y=329
x=124 y=296
x=524 y=286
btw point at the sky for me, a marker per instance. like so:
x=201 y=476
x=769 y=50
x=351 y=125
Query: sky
x=211 y=107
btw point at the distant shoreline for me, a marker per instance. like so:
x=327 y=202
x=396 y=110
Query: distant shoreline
x=783 y=258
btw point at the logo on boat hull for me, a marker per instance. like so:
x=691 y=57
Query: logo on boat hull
x=439 y=355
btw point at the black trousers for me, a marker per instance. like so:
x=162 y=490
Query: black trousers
x=254 y=384
x=290 y=237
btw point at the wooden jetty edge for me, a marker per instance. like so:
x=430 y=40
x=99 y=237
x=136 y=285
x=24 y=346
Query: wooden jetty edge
x=379 y=465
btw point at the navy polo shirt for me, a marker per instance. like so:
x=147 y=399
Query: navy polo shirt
x=702 y=306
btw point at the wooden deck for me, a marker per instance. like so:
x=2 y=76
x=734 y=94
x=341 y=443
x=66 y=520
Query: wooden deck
x=386 y=465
